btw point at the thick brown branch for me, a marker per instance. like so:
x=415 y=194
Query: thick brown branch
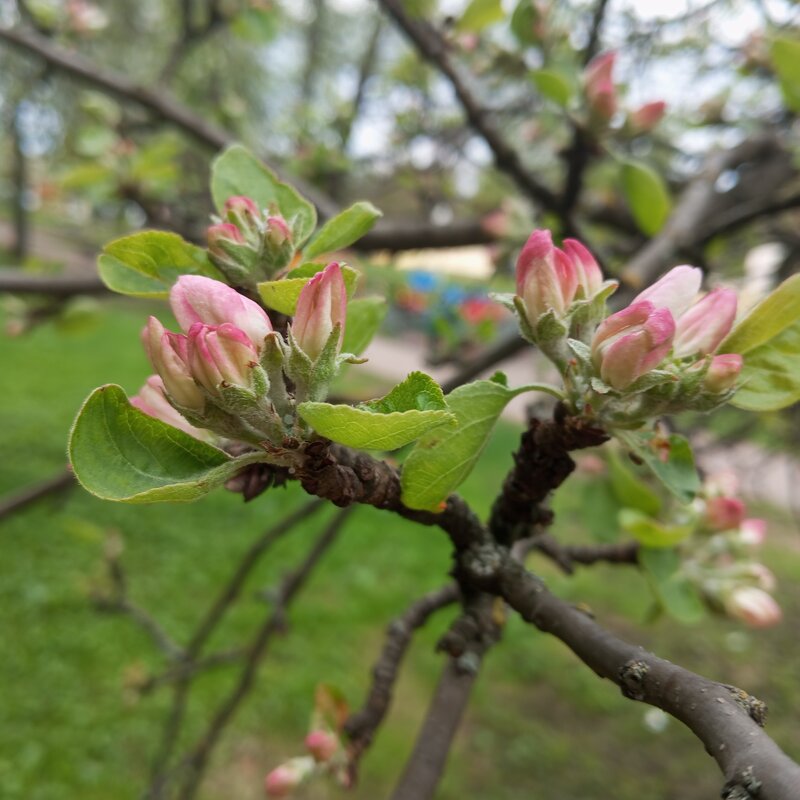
x=362 y=725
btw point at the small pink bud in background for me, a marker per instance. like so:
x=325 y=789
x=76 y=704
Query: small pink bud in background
x=723 y=372
x=724 y=513
x=546 y=277
x=631 y=342
x=322 y=745
x=241 y=206
x=645 y=118
x=701 y=329
x=676 y=291
x=587 y=270
x=288 y=776
x=753 y=606
x=725 y=483
x=220 y=234
x=761 y=576
x=169 y=354
x=221 y=355
x=599 y=84
x=278 y=231
x=322 y=306
x=151 y=401
x=753 y=531
x=195 y=299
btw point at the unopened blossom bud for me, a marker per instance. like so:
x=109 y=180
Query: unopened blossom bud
x=151 y=401
x=645 y=118
x=676 y=291
x=760 y=576
x=241 y=206
x=277 y=245
x=169 y=354
x=546 y=277
x=631 y=342
x=283 y=780
x=221 y=234
x=753 y=531
x=701 y=329
x=322 y=745
x=587 y=270
x=723 y=373
x=599 y=84
x=322 y=306
x=753 y=606
x=724 y=513
x=195 y=299
x=278 y=230
x=221 y=355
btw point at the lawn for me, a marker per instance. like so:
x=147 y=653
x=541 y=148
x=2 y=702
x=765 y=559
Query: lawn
x=540 y=725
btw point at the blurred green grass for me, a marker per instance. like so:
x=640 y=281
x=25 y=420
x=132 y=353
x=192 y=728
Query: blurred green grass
x=540 y=724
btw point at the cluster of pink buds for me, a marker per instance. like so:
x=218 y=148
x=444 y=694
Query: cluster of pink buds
x=226 y=372
x=326 y=757
x=247 y=244
x=721 y=562
x=603 y=101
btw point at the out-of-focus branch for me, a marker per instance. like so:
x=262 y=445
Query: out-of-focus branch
x=191 y=36
x=30 y=494
x=746 y=213
x=195 y=762
x=17 y=281
x=362 y=725
x=434 y=49
x=566 y=556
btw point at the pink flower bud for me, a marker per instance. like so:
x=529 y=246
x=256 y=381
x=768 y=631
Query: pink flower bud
x=587 y=270
x=724 y=513
x=599 y=83
x=322 y=306
x=753 y=606
x=322 y=745
x=278 y=231
x=631 y=342
x=195 y=299
x=221 y=234
x=644 y=119
x=725 y=483
x=168 y=353
x=753 y=531
x=723 y=372
x=288 y=776
x=221 y=355
x=239 y=205
x=701 y=329
x=151 y=401
x=676 y=291
x=546 y=277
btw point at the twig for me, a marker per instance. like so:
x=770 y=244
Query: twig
x=362 y=725
x=567 y=555
x=741 y=215
x=30 y=494
x=433 y=48
x=195 y=762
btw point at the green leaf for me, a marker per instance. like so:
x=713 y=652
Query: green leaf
x=785 y=55
x=649 y=531
x=364 y=317
x=775 y=313
x=257 y=25
x=119 y=453
x=282 y=295
x=629 y=490
x=343 y=229
x=479 y=14
x=524 y=22
x=411 y=409
x=238 y=172
x=443 y=458
x=647 y=196
x=677 y=472
x=675 y=593
x=146 y=264
x=553 y=85
x=597 y=507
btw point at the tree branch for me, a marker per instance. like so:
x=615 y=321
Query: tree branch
x=567 y=555
x=30 y=494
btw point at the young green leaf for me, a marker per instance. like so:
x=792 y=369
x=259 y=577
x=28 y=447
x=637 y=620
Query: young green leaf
x=411 y=409
x=675 y=593
x=282 y=295
x=553 y=85
x=651 y=532
x=479 y=14
x=443 y=458
x=647 y=196
x=119 y=453
x=364 y=317
x=146 y=264
x=236 y=171
x=343 y=229
x=672 y=464
x=629 y=490
x=785 y=55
